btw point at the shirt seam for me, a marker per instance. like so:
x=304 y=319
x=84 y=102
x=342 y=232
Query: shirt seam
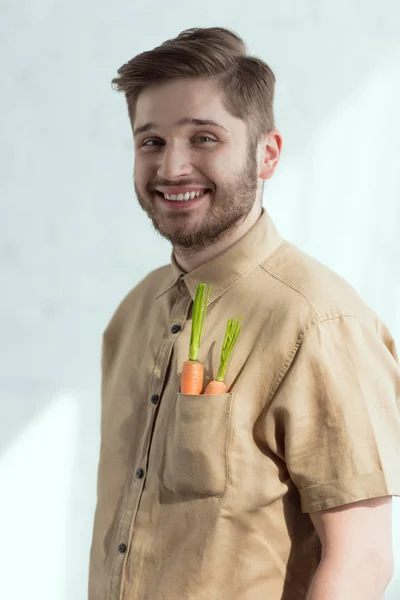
x=342 y=479
x=299 y=290
x=288 y=283
x=296 y=346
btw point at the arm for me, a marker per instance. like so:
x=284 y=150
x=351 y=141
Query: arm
x=357 y=555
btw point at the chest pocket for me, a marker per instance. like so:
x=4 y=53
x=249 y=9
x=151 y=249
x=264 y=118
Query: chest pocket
x=196 y=453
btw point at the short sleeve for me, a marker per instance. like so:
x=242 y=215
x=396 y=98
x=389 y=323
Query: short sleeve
x=335 y=417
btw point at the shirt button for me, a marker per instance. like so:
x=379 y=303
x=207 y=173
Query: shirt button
x=122 y=548
x=154 y=398
x=182 y=286
x=175 y=328
x=139 y=473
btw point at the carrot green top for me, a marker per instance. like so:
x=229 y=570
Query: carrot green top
x=231 y=335
x=198 y=318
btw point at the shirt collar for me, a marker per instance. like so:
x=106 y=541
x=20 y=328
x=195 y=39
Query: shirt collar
x=228 y=267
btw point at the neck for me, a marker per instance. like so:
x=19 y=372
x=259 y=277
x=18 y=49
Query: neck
x=188 y=262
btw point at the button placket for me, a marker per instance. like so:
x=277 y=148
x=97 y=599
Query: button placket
x=176 y=321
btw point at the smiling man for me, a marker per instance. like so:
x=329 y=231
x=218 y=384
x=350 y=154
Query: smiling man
x=214 y=162
x=281 y=488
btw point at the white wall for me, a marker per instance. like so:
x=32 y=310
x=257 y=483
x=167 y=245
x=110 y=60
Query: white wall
x=73 y=240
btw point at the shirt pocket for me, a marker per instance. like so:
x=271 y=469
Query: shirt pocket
x=196 y=452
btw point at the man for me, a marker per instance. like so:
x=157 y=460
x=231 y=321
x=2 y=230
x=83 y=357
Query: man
x=281 y=488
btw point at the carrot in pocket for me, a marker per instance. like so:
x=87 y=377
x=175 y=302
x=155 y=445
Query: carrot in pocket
x=217 y=385
x=193 y=370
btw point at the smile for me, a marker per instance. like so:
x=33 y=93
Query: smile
x=182 y=200
x=183 y=197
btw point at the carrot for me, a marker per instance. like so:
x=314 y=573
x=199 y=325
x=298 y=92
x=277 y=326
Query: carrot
x=217 y=385
x=192 y=377
x=193 y=370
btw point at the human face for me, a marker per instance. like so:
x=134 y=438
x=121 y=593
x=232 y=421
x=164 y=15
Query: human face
x=177 y=153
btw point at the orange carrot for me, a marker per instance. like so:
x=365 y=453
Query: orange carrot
x=193 y=370
x=192 y=377
x=217 y=385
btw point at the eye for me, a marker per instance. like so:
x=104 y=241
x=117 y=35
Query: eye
x=149 y=143
x=206 y=137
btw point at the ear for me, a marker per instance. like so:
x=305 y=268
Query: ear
x=270 y=151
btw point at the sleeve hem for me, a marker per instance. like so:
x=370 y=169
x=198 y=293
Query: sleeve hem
x=345 y=491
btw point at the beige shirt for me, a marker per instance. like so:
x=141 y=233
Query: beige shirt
x=206 y=497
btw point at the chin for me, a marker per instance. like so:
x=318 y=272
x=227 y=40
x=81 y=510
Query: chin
x=181 y=235
x=174 y=234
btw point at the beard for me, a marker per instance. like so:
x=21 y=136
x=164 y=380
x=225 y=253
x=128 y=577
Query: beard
x=230 y=204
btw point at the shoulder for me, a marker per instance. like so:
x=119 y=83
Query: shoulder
x=301 y=280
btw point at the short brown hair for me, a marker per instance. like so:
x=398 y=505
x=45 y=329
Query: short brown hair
x=247 y=82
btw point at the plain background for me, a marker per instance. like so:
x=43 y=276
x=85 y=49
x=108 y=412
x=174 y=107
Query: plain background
x=73 y=240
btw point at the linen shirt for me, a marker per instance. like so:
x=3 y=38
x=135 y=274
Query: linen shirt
x=206 y=497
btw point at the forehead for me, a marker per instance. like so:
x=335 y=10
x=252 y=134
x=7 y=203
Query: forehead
x=167 y=103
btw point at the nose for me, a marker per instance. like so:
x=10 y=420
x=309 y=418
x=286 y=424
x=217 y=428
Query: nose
x=174 y=163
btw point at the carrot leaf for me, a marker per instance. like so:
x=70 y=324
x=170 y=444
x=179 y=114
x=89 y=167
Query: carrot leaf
x=232 y=332
x=198 y=318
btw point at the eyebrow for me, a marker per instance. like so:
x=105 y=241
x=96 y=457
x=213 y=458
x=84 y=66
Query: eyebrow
x=186 y=121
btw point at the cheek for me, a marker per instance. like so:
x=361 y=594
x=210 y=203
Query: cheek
x=141 y=173
x=221 y=173
x=226 y=164
x=214 y=167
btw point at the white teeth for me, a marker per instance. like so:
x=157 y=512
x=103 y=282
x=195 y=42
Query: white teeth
x=183 y=197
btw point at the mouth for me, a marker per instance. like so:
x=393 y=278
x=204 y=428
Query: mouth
x=183 y=201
